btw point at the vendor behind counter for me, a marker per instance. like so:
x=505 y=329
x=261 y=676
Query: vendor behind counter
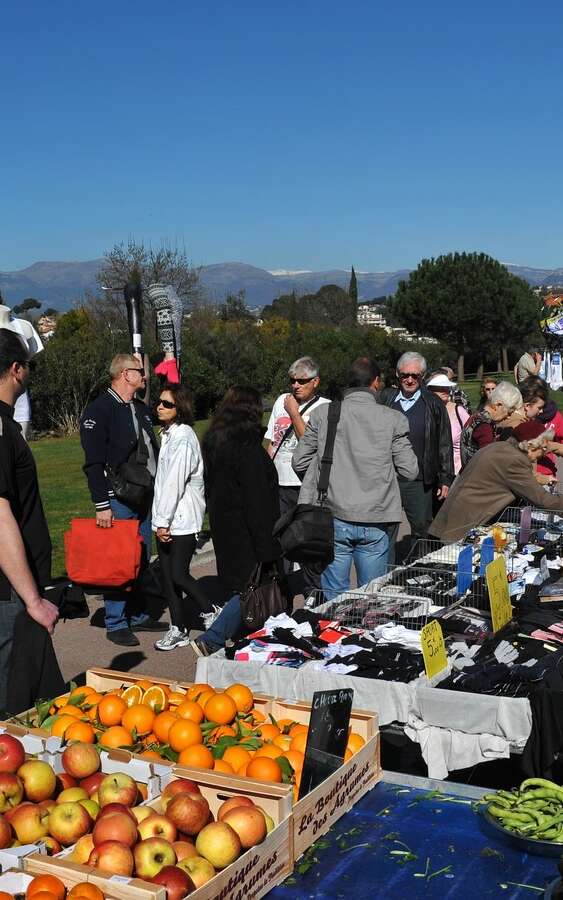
x=495 y=478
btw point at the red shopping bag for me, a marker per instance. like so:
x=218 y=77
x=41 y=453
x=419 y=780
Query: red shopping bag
x=105 y=557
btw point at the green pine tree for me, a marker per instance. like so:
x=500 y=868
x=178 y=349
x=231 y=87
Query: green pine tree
x=353 y=294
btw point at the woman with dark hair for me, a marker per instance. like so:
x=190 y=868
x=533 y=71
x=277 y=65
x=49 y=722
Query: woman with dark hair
x=177 y=514
x=535 y=394
x=242 y=499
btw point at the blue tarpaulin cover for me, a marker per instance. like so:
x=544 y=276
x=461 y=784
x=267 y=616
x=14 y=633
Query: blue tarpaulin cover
x=368 y=854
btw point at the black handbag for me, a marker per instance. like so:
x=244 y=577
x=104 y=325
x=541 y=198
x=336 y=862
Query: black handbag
x=132 y=482
x=266 y=595
x=68 y=597
x=306 y=532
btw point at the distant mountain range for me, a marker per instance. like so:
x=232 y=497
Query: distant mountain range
x=60 y=284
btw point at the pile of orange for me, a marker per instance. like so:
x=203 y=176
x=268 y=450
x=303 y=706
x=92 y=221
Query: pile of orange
x=49 y=887
x=198 y=726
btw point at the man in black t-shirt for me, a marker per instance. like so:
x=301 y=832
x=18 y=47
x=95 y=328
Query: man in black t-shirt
x=25 y=545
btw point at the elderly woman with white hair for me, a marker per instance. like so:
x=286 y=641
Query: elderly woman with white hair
x=496 y=476
x=504 y=406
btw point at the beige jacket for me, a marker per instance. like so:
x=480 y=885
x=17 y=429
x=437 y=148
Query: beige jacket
x=492 y=480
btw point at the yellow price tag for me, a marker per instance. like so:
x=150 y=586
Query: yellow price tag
x=499 y=598
x=433 y=648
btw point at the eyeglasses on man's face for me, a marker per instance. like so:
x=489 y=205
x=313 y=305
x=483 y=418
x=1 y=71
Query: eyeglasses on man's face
x=404 y=376
x=300 y=380
x=167 y=404
x=140 y=370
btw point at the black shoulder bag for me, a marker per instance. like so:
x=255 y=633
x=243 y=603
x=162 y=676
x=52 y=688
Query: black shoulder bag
x=290 y=428
x=132 y=482
x=306 y=533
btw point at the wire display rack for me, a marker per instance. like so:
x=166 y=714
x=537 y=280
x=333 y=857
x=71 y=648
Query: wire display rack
x=410 y=594
x=530 y=524
x=380 y=602
x=435 y=578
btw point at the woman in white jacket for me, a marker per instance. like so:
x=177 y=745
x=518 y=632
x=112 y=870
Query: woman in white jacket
x=177 y=515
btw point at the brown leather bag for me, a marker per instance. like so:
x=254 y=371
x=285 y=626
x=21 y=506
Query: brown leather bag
x=265 y=596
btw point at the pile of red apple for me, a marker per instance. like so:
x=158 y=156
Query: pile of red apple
x=176 y=842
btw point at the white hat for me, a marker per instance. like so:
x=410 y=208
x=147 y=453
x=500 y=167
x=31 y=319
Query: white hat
x=441 y=381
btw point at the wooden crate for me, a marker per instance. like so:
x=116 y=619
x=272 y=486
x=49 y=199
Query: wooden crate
x=320 y=809
x=311 y=818
x=102 y=680
x=251 y=876
x=114 y=888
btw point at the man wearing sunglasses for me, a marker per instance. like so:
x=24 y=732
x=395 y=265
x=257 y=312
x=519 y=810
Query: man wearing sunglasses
x=114 y=428
x=288 y=420
x=431 y=439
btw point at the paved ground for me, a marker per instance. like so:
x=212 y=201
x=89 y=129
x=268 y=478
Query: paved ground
x=80 y=645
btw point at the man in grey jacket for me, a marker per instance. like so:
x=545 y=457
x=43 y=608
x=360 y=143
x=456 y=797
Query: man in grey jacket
x=372 y=446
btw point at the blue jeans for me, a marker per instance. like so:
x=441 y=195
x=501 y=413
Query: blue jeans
x=115 y=603
x=225 y=625
x=364 y=544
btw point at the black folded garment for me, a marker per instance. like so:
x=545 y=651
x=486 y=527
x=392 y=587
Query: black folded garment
x=389 y=662
x=517 y=680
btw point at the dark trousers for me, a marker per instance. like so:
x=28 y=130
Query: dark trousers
x=416 y=498
x=289 y=496
x=9 y=611
x=175 y=558
x=28 y=666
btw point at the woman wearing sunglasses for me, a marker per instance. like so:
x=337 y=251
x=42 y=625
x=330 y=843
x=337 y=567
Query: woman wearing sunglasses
x=177 y=515
x=487 y=387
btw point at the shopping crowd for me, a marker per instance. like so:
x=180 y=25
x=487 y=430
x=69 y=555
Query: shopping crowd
x=412 y=447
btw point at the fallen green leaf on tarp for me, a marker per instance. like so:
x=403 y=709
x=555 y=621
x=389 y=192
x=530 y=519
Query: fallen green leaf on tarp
x=530 y=887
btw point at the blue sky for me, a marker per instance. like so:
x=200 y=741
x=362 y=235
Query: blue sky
x=303 y=135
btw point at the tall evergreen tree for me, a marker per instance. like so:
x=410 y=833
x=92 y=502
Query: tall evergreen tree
x=353 y=293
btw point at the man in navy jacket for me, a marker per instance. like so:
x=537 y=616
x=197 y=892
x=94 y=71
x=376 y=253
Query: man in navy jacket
x=109 y=432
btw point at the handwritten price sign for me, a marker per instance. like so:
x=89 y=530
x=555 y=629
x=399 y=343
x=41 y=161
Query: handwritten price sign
x=433 y=648
x=499 y=598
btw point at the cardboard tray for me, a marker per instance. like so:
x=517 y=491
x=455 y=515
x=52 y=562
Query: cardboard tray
x=17 y=882
x=112 y=761
x=251 y=876
x=115 y=887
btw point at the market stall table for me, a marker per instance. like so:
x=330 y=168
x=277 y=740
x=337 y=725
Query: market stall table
x=452 y=734
x=402 y=839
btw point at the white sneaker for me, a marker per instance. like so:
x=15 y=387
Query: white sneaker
x=208 y=618
x=172 y=639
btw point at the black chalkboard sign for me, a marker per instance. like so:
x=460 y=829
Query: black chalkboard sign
x=327 y=737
